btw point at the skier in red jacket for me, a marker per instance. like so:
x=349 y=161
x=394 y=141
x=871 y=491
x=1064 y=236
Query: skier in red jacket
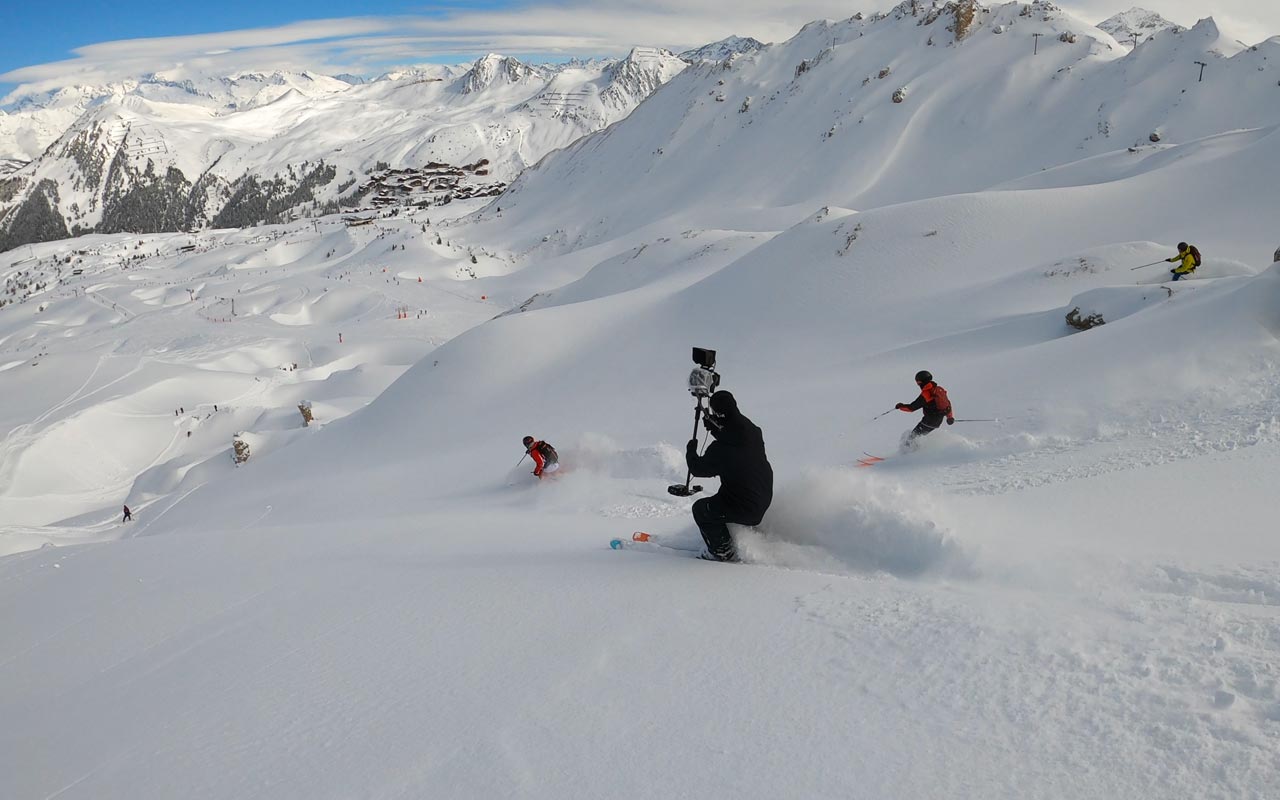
x=545 y=458
x=934 y=402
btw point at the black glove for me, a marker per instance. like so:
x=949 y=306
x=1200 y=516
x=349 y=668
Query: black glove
x=692 y=446
x=903 y=407
x=951 y=420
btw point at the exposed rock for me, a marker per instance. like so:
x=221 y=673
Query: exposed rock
x=239 y=450
x=1084 y=323
x=965 y=12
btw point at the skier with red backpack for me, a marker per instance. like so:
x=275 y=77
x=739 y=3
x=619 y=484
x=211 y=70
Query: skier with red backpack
x=1190 y=258
x=934 y=402
x=545 y=458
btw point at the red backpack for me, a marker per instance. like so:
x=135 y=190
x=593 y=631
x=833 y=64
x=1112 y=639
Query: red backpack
x=940 y=400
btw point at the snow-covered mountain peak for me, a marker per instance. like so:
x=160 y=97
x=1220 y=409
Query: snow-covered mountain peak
x=1206 y=37
x=723 y=49
x=1136 y=23
x=423 y=72
x=494 y=69
x=640 y=74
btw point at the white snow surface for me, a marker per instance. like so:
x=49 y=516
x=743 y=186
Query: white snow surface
x=1077 y=599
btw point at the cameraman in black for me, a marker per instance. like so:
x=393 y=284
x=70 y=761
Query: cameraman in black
x=737 y=456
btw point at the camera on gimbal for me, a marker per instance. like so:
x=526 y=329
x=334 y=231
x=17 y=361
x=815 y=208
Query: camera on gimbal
x=703 y=380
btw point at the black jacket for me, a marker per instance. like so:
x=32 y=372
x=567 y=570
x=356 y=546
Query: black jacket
x=737 y=456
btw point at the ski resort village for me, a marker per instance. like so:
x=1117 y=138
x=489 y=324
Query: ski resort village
x=884 y=405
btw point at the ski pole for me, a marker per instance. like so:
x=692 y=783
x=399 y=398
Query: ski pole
x=977 y=420
x=1152 y=264
x=878 y=416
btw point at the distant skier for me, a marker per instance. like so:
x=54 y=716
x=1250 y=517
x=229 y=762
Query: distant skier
x=1190 y=258
x=738 y=457
x=934 y=402
x=128 y=516
x=546 y=460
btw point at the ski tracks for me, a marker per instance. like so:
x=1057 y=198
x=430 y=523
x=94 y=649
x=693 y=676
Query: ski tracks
x=1133 y=442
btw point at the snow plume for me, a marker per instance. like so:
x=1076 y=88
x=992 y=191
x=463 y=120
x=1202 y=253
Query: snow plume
x=599 y=475
x=597 y=453
x=851 y=521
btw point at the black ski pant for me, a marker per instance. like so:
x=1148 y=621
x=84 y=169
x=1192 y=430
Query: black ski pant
x=926 y=426
x=712 y=518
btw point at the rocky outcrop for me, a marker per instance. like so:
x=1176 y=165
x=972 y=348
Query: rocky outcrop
x=1084 y=322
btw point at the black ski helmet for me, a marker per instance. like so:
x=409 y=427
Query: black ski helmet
x=1182 y=246
x=924 y=376
x=723 y=403
x=528 y=442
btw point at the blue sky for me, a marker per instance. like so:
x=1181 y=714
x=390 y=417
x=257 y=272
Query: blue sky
x=95 y=42
x=35 y=37
x=41 y=38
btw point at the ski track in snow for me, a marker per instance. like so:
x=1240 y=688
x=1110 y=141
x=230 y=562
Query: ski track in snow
x=1120 y=445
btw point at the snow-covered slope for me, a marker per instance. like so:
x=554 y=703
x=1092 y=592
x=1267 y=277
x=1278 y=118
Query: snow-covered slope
x=1070 y=593
x=803 y=122
x=1136 y=24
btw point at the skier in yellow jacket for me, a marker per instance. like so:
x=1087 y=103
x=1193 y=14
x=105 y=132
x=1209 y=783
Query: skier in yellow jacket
x=1190 y=258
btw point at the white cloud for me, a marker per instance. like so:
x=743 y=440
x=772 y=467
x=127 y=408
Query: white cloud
x=568 y=27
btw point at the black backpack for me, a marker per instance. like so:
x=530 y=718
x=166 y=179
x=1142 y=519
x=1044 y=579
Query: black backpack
x=548 y=452
x=1195 y=254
